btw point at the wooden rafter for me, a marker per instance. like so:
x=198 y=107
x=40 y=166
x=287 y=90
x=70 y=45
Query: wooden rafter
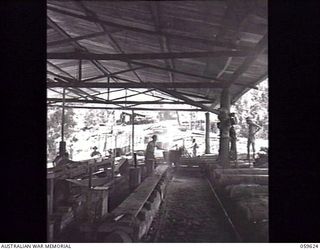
x=128 y=108
x=127 y=96
x=181 y=72
x=80 y=84
x=188 y=100
x=195 y=95
x=113 y=74
x=132 y=84
x=75 y=100
x=142 y=56
x=151 y=94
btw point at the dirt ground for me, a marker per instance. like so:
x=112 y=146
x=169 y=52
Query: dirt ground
x=189 y=213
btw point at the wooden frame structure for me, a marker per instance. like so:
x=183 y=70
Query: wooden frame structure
x=133 y=54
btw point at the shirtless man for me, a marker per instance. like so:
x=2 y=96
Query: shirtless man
x=253 y=128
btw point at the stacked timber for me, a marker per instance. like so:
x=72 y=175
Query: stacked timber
x=205 y=159
x=75 y=169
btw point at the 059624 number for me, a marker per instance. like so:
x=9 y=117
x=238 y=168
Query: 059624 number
x=309 y=245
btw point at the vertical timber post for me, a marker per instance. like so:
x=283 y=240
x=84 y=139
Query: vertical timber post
x=62 y=146
x=132 y=136
x=207 y=133
x=224 y=128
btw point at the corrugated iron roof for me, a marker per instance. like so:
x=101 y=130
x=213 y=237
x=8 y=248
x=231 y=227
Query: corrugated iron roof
x=149 y=27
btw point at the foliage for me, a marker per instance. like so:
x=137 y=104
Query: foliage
x=95 y=117
x=54 y=129
x=254 y=104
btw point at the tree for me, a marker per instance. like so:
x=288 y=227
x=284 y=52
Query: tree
x=96 y=117
x=254 y=104
x=54 y=116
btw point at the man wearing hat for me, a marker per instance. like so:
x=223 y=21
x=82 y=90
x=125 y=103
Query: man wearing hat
x=95 y=152
x=252 y=130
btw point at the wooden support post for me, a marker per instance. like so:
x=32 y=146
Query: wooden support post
x=207 y=133
x=132 y=137
x=50 y=192
x=224 y=127
x=62 y=115
x=134 y=177
x=90 y=176
x=62 y=145
x=135 y=163
x=80 y=70
x=115 y=145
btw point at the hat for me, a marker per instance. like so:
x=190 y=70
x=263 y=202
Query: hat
x=94 y=147
x=154 y=136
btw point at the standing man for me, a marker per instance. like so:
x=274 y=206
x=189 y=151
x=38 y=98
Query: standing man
x=71 y=151
x=233 y=143
x=150 y=158
x=194 y=148
x=253 y=128
x=151 y=147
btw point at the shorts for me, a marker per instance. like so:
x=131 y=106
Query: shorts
x=251 y=140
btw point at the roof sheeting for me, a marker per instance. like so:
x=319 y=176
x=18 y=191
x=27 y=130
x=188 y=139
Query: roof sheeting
x=146 y=27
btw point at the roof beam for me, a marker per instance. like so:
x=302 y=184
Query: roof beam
x=76 y=100
x=80 y=84
x=175 y=71
x=132 y=95
x=105 y=71
x=72 y=78
x=189 y=101
x=128 y=108
x=152 y=94
x=196 y=96
x=146 y=31
x=178 y=72
x=141 y=56
x=133 y=84
x=113 y=74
